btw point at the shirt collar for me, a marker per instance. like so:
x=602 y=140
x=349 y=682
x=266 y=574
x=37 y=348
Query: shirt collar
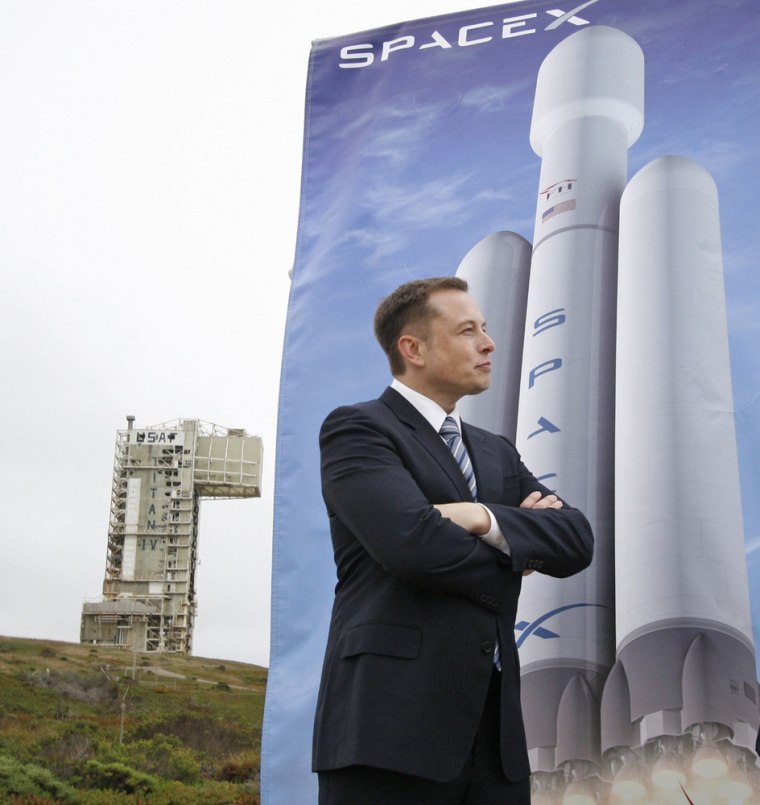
x=428 y=408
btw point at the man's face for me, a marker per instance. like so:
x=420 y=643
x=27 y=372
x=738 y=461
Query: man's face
x=456 y=355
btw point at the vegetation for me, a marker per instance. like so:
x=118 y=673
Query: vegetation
x=101 y=726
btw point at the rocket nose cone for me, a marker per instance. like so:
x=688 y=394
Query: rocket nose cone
x=497 y=251
x=668 y=173
x=598 y=71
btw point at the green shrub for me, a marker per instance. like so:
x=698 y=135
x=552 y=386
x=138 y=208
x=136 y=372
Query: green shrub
x=117 y=777
x=240 y=768
x=72 y=744
x=164 y=756
x=210 y=736
x=28 y=779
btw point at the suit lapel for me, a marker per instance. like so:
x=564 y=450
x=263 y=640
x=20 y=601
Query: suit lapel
x=485 y=461
x=427 y=438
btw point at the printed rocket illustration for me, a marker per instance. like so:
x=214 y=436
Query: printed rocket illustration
x=685 y=653
x=636 y=672
x=497 y=271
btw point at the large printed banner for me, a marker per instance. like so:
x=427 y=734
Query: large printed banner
x=592 y=170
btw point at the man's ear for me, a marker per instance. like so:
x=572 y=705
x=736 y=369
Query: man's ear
x=411 y=350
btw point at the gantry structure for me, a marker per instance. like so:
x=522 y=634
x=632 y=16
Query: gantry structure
x=161 y=473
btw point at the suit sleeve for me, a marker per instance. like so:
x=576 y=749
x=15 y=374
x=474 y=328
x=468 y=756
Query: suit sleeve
x=556 y=542
x=373 y=498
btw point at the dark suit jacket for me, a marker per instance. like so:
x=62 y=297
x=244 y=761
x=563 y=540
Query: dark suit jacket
x=420 y=602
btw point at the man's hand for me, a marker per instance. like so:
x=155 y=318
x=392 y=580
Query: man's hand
x=535 y=501
x=470 y=516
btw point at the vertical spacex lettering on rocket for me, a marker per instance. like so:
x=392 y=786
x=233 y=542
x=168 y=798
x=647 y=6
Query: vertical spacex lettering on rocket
x=646 y=658
x=588 y=110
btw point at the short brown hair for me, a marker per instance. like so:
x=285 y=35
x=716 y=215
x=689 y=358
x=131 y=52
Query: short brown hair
x=408 y=307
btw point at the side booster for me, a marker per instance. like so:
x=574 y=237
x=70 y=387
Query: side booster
x=588 y=110
x=685 y=674
x=497 y=271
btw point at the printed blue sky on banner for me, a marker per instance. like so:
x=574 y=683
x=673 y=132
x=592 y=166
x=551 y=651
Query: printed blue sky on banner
x=430 y=172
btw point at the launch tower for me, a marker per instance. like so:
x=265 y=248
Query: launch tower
x=160 y=475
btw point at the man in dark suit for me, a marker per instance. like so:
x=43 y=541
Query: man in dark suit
x=420 y=696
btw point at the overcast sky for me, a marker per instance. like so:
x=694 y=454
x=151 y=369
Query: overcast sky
x=150 y=157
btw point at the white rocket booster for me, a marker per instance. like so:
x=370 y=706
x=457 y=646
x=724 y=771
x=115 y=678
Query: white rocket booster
x=686 y=663
x=588 y=111
x=660 y=430
x=497 y=270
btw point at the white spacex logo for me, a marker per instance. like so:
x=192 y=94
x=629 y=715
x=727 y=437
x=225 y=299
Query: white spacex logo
x=479 y=33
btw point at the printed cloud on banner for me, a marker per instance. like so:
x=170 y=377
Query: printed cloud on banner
x=608 y=234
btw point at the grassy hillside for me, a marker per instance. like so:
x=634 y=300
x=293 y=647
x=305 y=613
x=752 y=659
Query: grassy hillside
x=91 y=725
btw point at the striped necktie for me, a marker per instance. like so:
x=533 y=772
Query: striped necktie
x=452 y=437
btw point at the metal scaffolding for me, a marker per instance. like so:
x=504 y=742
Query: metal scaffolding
x=160 y=475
